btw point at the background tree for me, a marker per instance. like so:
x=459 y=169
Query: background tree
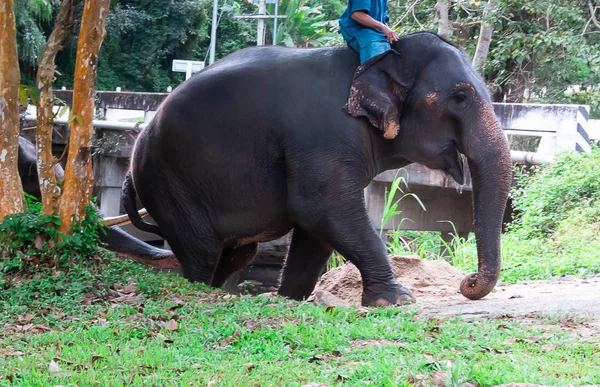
x=541 y=48
x=485 y=37
x=11 y=190
x=443 y=13
x=77 y=188
x=144 y=36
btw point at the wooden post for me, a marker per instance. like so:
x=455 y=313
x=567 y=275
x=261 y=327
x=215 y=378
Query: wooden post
x=260 y=29
x=11 y=189
x=77 y=190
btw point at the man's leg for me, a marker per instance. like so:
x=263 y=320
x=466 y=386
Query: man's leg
x=353 y=43
x=373 y=49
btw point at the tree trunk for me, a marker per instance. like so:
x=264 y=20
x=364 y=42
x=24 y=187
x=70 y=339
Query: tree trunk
x=45 y=117
x=79 y=178
x=485 y=38
x=11 y=189
x=442 y=10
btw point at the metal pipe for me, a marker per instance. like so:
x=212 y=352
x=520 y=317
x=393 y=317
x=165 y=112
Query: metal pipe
x=213 y=32
x=533 y=158
x=112 y=125
x=259 y=17
x=275 y=22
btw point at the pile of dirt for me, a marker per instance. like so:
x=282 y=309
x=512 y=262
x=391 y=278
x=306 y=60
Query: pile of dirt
x=428 y=280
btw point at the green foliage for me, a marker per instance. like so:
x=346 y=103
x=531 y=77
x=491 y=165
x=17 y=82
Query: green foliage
x=144 y=36
x=31 y=17
x=538 y=45
x=390 y=206
x=556 y=230
x=556 y=192
x=68 y=285
x=30 y=242
x=40 y=265
x=587 y=97
x=336 y=260
x=307 y=25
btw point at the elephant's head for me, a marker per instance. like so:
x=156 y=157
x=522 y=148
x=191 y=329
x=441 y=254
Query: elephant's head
x=428 y=101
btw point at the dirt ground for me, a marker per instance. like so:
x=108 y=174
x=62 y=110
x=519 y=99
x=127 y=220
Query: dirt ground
x=435 y=286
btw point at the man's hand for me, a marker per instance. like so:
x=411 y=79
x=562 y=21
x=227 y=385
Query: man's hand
x=363 y=18
x=390 y=34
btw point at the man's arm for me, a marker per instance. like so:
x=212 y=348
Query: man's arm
x=363 y=18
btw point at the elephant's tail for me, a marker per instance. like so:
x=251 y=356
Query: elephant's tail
x=128 y=200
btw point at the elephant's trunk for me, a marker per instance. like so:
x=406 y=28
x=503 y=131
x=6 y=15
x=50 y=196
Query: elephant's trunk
x=489 y=162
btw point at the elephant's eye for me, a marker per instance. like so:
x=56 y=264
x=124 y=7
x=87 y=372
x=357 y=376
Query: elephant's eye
x=460 y=100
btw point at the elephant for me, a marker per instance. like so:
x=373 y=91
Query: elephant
x=270 y=140
x=115 y=238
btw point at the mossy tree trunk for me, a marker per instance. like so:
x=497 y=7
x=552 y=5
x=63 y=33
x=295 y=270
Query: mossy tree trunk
x=45 y=117
x=79 y=178
x=11 y=189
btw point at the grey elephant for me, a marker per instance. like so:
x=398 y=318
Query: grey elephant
x=271 y=139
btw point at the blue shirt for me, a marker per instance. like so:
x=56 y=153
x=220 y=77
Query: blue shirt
x=349 y=28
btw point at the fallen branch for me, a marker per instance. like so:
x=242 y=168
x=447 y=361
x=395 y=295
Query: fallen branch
x=122 y=219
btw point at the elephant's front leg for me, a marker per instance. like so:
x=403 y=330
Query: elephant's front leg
x=343 y=222
x=306 y=260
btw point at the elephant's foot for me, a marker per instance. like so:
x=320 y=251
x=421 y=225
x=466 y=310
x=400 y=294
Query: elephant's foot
x=388 y=294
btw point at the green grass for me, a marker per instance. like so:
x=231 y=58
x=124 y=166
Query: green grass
x=96 y=338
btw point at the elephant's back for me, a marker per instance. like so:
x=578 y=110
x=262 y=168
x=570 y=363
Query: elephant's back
x=256 y=93
x=269 y=78
x=285 y=60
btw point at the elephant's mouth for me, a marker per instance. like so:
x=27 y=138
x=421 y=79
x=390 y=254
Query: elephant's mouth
x=454 y=164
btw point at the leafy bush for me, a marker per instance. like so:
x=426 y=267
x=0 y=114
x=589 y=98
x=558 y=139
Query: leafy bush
x=41 y=266
x=31 y=242
x=554 y=193
x=556 y=230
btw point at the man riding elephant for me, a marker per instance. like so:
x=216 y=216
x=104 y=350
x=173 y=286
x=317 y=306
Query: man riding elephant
x=364 y=27
x=271 y=139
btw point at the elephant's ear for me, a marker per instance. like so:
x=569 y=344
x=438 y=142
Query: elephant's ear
x=377 y=92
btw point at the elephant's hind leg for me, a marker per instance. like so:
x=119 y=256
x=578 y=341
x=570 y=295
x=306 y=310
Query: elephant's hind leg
x=305 y=262
x=233 y=260
x=194 y=243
